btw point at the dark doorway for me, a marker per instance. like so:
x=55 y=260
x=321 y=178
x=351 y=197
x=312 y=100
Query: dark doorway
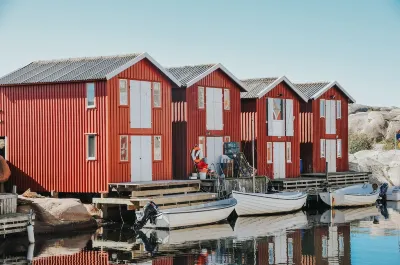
x=3 y=146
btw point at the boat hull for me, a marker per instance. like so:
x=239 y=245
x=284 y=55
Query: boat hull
x=259 y=204
x=187 y=217
x=342 y=200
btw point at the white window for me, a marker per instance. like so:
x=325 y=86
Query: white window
x=201 y=97
x=322 y=108
x=322 y=147
x=278 y=109
x=202 y=141
x=339 y=109
x=123 y=143
x=227 y=99
x=339 y=148
x=157 y=95
x=157 y=148
x=288 y=152
x=90 y=95
x=269 y=153
x=91 y=147
x=227 y=139
x=123 y=92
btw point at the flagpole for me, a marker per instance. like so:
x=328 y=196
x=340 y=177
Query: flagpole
x=252 y=147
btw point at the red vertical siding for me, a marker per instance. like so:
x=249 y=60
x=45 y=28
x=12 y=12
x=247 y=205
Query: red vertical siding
x=119 y=123
x=45 y=127
x=81 y=258
x=196 y=118
x=293 y=168
x=342 y=132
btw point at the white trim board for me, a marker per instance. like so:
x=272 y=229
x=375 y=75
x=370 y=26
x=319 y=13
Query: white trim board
x=277 y=82
x=330 y=85
x=223 y=69
x=137 y=59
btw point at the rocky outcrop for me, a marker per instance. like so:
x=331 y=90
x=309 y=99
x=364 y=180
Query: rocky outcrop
x=378 y=123
x=384 y=165
x=57 y=215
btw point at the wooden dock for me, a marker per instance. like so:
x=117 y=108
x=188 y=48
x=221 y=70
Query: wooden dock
x=314 y=182
x=166 y=194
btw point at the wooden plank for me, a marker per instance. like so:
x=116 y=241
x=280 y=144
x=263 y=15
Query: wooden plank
x=12 y=231
x=115 y=201
x=165 y=191
x=171 y=206
x=147 y=184
x=200 y=196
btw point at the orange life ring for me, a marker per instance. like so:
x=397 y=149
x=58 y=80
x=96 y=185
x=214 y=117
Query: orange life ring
x=5 y=171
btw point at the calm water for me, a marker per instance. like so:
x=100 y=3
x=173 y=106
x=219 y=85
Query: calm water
x=350 y=236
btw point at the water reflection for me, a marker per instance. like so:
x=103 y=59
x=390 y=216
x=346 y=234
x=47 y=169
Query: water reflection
x=342 y=236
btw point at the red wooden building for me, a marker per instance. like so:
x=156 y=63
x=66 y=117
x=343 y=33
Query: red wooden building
x=206 y=111
x=274 y=104
x=75 y=125
x=324 y=127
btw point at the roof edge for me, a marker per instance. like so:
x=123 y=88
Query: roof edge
x=242 y=86
x=278 y=81
x=137 y=59
x=330 y=85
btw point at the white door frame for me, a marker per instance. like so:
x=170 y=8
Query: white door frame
x=279 y=160
x=141 y=158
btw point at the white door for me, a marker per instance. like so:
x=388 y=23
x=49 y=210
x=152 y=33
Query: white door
x=215 y=149
x=214 y=109
x=279 y=161
x=331 y=155
x=140 y=104
x=330 y=119
x=141 y=159
x=210 y=118
x=280 y=249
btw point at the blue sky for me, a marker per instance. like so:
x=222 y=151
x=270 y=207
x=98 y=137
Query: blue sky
x=354 y=42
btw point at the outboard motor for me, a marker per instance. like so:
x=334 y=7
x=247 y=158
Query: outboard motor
x=383 y=190
x=150 y=212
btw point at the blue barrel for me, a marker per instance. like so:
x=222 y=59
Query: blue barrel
x=301 y=166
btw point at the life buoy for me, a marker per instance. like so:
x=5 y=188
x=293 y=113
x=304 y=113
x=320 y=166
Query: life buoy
x=5 y=171
x=197 y=154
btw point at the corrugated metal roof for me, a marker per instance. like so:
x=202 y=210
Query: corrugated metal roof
x=66 y=70
x=310 y=89
x=187 y=73
x=256 y=85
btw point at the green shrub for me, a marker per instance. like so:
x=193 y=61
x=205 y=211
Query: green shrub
x=388 y=144
x=359 y=142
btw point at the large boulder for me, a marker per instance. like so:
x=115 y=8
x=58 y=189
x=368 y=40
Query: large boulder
x=384 y=165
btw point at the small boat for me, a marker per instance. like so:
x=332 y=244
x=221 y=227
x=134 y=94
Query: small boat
x=348 y=215
x=202 y=214
x=268 y=203
x=393 y=194
x=355 y=195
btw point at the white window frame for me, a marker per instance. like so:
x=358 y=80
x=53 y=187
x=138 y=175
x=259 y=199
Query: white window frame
x=127 y=148
x=339 y=148
x=288 y=152
x=269 y=157
x=91 y=158
x=227 y=99
x=154 y=147
x=157 y=86
x=338 y=109
x=87 y=96
x=123 y=103
x=322 y=111
x=322 y=148
x=200 y=103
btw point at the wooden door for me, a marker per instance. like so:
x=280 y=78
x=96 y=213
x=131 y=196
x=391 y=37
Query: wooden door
x=140 y=104
x=331 y=155
x=141 y=158
x=214 y=152
x=279 y=160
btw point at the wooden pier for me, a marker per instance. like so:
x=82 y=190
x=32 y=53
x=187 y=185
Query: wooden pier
x=166 y=194
x=314 y=182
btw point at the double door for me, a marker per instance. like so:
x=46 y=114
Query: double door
x=141 y=158
x=215 y=149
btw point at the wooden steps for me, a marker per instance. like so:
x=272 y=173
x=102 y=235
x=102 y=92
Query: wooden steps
x=166 y=194
x=14 y=223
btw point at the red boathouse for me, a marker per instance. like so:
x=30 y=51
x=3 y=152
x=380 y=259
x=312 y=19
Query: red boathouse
x=324 y=127
x=75 y=125
x=206 y=111
x=274 y=104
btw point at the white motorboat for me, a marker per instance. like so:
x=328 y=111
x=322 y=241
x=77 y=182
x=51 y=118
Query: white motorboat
x=393 y=194
x=260 y=203
x=355 y=195
x=202 y=214
x=260 y=226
